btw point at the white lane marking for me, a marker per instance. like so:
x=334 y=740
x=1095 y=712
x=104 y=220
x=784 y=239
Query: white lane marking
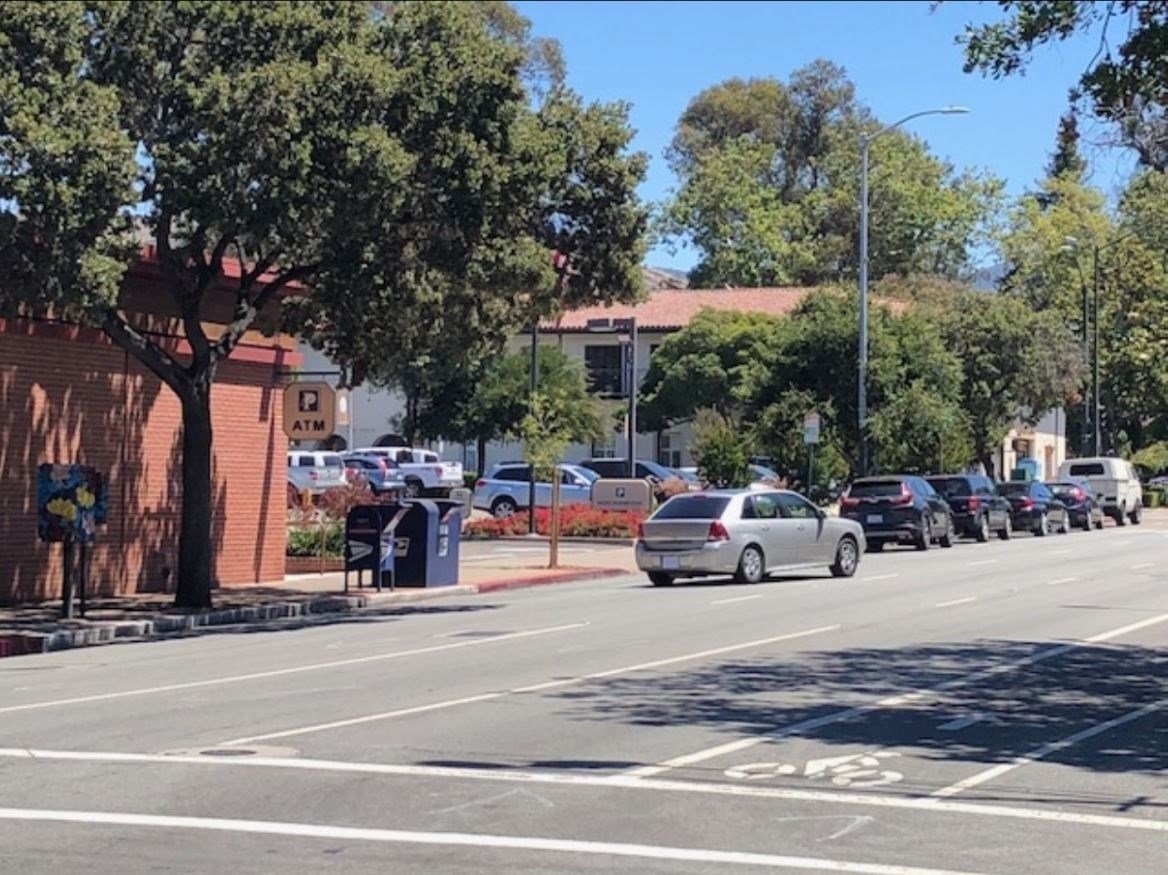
x=964 y=601
x=1140 y=565
x=466 y=840
x=280 y=672
x=741 y=598
x=550 y=778
x=888 y=702
x=968 y=720
x=1061 y=580
x=1062 y=552
x=878 y=577
x=547 y=685
x=1046 y=750
x=983 y=562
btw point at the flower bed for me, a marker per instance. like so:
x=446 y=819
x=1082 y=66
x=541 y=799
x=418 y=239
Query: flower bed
x=576 y=521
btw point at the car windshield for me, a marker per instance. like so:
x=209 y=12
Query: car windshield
x=692 y=507
x=1014 y=489
x=658 y=471
x=951 y=486
x=585 y=473
x=875 y=489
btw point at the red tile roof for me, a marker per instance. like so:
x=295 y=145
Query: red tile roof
x=673 y=309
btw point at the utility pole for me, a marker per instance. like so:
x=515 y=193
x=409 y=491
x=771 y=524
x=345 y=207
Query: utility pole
x=531 y=407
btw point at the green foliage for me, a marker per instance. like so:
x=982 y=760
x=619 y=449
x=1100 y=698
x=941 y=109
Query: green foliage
x=721 y=450
x=1152 y=458
x=1125 y=81
x=705 y=365
x=770 y=186
x=552 y=421
x=309 y=540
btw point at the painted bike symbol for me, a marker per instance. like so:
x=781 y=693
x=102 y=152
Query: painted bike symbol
x=854 y=770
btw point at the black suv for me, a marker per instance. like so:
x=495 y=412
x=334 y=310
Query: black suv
x=900 y=508
x=977 y=507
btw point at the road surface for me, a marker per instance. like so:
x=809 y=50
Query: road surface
x=993 y=708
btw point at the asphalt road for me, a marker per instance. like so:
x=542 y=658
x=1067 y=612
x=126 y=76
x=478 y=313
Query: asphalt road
x=996 y=708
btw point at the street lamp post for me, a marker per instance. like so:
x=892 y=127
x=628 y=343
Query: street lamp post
x=865 y=142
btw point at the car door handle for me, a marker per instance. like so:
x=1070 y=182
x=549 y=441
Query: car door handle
x=765 y=528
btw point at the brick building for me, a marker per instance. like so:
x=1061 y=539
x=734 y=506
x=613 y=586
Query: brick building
x=68 y=394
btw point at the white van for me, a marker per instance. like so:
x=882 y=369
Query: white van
x=1114 y=481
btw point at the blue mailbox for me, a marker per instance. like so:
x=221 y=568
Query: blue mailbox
x=428 y=539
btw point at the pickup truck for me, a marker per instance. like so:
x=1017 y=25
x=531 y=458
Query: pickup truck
x=424 y=474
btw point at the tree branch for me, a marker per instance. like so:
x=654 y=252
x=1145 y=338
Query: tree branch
x=146 y=351
x=248 y=308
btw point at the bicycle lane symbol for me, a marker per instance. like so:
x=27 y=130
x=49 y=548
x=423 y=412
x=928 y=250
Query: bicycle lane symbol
x=858 y=770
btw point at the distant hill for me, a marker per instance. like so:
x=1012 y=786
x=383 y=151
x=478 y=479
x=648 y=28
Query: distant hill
x=664 y=278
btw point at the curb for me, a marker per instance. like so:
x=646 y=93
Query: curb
x=48 y=640
x=551 y=577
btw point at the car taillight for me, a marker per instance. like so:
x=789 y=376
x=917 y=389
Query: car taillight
x=479 y=484
x=717 y=532
x=1026 y=503
x=905 y=497
x=974 y=503
x=848 y=501
x=1079 y=494
x=640 y=531
x=438 y=471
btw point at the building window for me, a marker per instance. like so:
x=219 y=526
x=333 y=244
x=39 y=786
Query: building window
x=604 y=449
x=668 y=450
x=603 y=364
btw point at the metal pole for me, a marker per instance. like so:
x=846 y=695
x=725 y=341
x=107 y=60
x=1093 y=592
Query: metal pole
x=810 y=468
x=862 y=376
x=1086 y=352
x=531 y=403
x=1095 y=377
x=632 y=397
x=554 y=523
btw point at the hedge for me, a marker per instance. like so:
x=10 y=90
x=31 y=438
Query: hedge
x=576 y=521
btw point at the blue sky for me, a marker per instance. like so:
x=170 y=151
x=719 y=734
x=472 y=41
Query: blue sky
x=901 y=56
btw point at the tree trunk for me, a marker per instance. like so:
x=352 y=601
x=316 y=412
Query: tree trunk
x=482 y=456
x=196 y=557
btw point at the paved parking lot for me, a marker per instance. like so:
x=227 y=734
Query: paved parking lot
x=993 y=708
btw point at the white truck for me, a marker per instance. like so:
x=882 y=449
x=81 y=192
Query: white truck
x=1114 y=481
x=424 y=473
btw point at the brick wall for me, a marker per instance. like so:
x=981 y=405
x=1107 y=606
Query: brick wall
x=69 y=395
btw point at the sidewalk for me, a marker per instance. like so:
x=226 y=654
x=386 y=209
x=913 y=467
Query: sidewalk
x=38 y=628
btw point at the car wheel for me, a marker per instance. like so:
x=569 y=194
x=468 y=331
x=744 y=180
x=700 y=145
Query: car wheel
x=925 y=538
x=1065 y=528
x=502 y=508
x=1121 y=517
x=658 y=578
x=751 y=565
x=983 y=529
x=875 y=546
x=1099 y=522
x=1006 y=531
x=1043 y=527
x=847 y=558
x=1087 y=522
x=946 y=539
x=1137 y=515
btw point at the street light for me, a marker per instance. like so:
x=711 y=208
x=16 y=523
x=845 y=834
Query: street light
x=865 y=142
x=621 y=326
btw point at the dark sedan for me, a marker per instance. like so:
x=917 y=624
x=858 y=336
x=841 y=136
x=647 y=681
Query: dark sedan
x=1081 y=503
x=1034 y=508
x=977 y=508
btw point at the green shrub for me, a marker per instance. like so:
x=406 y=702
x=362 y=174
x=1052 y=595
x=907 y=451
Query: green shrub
x=720 y=450
x=306 y=540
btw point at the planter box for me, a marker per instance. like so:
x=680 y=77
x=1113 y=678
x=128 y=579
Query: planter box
x=311 y=565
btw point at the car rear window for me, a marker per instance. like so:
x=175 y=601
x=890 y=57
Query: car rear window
x=692 y=507
x=875 y=489
x=951 y=486
x=332 y=461
x=1087 y=469
x=1014 y=489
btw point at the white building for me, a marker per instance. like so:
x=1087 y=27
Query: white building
x=376 y=413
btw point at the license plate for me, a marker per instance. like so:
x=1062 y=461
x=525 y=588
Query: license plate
x=670 y=562
x=875 y=518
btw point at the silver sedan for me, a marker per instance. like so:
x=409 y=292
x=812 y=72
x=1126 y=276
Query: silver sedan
x=744 y=533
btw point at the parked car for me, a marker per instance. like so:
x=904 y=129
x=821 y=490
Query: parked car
x=745 y=533
x=384 y=475
x=977 y=508
x=655 y=473
x=506 y=489
x=899 y=508
x=1081 y=503
x=423 y=472
x=1114 y=482
x=1034 y=508
x=315 y=471
x=759 y=474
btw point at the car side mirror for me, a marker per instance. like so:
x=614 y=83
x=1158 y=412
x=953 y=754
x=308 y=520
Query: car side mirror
x=820 y=513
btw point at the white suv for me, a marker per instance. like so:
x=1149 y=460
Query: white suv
x=315 y=471
x=1114 y=481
